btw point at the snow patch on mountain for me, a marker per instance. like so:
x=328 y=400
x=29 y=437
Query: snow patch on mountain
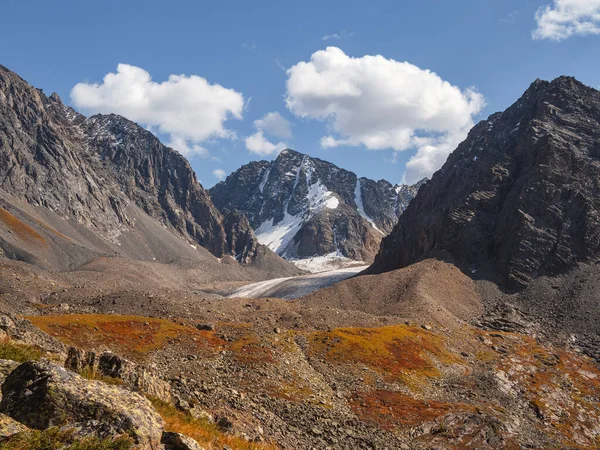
x=278 y=236
x=263 y=182
x=359 y=203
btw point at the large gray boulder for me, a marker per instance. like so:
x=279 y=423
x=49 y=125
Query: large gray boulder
x=41 y=394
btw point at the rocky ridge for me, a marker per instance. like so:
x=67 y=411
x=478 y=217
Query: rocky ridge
x=304 y=207
x=105 y=175
x=518 y=199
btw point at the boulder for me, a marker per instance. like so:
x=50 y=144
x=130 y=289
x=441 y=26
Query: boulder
x=178 y=441
x=10 y=427
x=111 y=365
x=6 y=367
x=133 y=375
x=41 y=394
x=78 y=360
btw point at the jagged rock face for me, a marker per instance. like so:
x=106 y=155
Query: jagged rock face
x=93 y=169
x=520 y=194
x=303 y=207
x=41 y=159
x=158 y=179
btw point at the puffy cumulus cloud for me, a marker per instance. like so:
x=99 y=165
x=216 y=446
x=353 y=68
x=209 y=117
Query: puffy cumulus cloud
x=187 y=108
x=259 y=144
x=219 y=174
x=565 y=18
x=271 y=123
x=274 y=124
x=381 y=103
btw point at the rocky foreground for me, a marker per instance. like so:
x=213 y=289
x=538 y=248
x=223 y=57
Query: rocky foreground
x=266 y=373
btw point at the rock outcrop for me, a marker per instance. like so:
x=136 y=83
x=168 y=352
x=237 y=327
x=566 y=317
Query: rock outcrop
x=519 y=197
x=104 y=174
x=302 y=207
x=107 y=364
x=42 y=394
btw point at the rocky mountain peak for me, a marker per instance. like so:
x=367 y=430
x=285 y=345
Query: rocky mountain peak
x=304 y=207
x=519 y=197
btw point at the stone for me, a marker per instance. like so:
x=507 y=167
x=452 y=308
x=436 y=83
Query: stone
x=135 y=376
x=6 y=323
x=78 y=360
x=178 y=441
x=10 y=427
x=42 y=394
x=205 y=326
x=6 y=367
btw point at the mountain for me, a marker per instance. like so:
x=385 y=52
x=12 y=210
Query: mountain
x=519 y=198
x=72 y=188
x=303 y=207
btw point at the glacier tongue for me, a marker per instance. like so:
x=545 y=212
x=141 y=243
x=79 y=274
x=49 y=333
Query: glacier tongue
x=326 y=263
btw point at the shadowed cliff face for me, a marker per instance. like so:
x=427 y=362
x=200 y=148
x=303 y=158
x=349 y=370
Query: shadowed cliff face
x=519 y=195
x=319 y=208
x=93 y=170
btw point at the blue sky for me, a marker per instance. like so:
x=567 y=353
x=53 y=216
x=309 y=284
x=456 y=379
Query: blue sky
x=246 y=47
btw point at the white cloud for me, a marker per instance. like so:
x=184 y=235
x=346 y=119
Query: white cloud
x=259 y=144
x=381 y=103
x=219 y=174
x=337 y=36
x=187 y=108
x=511 y=18
x=274 y=124
x=271 y=123
x=565 y=18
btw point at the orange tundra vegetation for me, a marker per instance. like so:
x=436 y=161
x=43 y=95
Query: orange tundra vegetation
x=399 y=353
x=20 y=229
x=389 y=409
x=132 y=336
x=204 y=432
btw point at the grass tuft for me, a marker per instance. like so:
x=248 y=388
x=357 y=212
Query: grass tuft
x=53 y=438
x=131 y=336
x=90 y=374
x=18 y=352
